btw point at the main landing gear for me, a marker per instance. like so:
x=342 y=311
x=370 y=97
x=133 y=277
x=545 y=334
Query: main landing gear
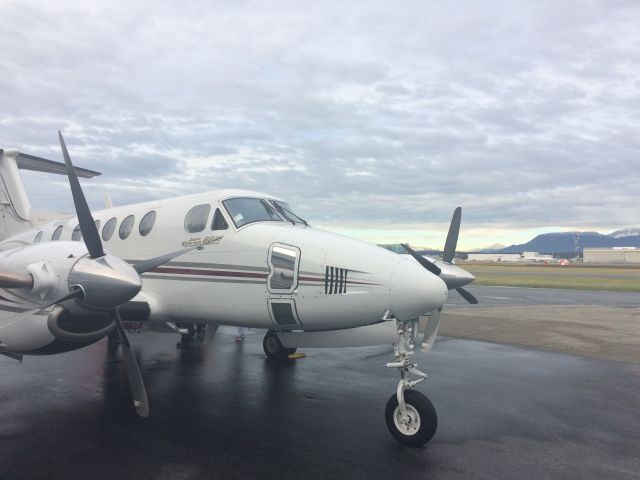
x=410 y=415
x=273 y=348
x=187 y=338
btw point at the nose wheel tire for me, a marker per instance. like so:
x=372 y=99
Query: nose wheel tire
x=273 y=348
x=417 y=424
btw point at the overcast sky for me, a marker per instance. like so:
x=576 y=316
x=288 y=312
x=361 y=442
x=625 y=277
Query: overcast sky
x=374 y=119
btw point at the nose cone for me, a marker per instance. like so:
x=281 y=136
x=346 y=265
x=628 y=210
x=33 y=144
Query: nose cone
x=454 y=276
x=106 y=282
x=414 y=290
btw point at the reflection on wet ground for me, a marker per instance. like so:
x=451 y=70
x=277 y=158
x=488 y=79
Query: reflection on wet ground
x=223 y=411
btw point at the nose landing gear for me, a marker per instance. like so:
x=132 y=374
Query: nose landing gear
x=410 y=415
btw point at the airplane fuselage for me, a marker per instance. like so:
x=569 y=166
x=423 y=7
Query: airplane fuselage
x=275 y=273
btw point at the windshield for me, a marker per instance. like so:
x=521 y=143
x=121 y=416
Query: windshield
x=285 y=210
x=249 y=210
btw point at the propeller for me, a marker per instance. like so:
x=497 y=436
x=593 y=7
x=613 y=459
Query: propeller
x=467 y=295
x=138 y=391
x=452 y=236
x=88 y=227
x=146 y=265
x=100 y=281
x=422 y=261
x=454 y=276
x=76 y=293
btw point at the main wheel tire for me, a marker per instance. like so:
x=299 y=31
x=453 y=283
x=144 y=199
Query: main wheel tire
x=421 y=421
x=273 y=348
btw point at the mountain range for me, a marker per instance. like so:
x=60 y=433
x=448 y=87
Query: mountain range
x=564 y=242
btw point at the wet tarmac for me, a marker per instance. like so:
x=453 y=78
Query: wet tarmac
x=223 y=411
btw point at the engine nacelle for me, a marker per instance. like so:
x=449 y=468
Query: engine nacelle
x=56 y=332
x=49 y=264
x=24 y=328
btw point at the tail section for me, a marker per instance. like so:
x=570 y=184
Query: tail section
x=15 y=208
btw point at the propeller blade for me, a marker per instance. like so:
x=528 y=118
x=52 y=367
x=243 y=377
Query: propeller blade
x=15 y=280
x=140 y=400
x=452 y=236
x=154 y=262
x=467 y=295
x=422 y=261
x=77 y=293
x=85 y=219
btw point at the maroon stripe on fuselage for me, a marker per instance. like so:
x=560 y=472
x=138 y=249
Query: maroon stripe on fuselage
x=229 y=273
x=321 y=280
x=208 y=273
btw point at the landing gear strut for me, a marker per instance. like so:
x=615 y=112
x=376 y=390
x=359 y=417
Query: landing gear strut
x=410 y=416
x=273 y=348
x=187 y=339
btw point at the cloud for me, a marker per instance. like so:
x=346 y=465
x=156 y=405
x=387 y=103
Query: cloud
x=369 y=119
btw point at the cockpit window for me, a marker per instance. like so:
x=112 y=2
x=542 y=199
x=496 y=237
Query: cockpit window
x=219 y=223
x=248 y=210
x=285 y=210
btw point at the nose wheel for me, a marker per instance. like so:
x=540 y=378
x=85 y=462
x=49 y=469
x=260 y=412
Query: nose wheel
x=417 y=424
x=410 y=415
x=273 y=348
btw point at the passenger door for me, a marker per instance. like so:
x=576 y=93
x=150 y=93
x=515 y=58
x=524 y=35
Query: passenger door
x=282 y=281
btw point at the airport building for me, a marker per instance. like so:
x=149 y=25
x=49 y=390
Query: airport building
x=510 y=257
x=611 y=255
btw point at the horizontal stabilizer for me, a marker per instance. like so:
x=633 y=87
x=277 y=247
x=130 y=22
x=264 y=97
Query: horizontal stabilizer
x=37 y=164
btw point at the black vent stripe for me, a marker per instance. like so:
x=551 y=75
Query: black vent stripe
x=326 y=280
x=335 y=280
x=331 y=281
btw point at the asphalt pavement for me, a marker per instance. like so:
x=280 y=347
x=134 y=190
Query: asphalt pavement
x=223 y=411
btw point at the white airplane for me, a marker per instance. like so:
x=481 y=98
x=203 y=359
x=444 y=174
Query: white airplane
x=245 y=259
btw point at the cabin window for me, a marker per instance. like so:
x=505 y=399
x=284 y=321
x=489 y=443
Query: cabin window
x=196 y=219
x=219 y=223
x=56 y=233
x=76 y=236
x=147 y=222
x=126 y=227
x=248 y=210
x=38 y=238
x=109 y=229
